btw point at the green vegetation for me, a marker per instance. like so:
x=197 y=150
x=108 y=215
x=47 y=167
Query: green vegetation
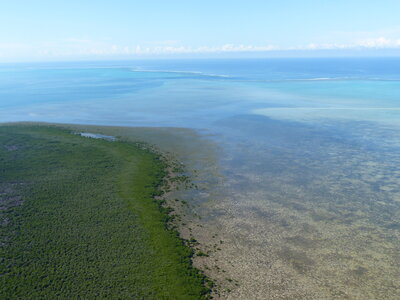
x=79 y=219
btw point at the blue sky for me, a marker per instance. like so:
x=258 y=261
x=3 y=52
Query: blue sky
x=53 y=29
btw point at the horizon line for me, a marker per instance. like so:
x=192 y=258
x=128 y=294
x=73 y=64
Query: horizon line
x=279 y=54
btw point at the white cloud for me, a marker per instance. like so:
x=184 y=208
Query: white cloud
x=74 y=47
x=380 y=42
x=369 y=43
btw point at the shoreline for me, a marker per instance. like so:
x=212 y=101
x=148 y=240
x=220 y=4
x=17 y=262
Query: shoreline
x=168 y=180
x=276 y=220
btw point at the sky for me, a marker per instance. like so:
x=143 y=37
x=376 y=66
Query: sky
x=103 y=29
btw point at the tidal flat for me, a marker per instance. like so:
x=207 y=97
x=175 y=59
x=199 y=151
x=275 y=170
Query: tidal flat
x=308 y=212
x=284 y=210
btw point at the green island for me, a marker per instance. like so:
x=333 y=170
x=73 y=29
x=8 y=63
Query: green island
x=80 y=218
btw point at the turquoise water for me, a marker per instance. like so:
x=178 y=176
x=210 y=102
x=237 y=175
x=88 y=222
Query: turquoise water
x=198 y=93
x=309 y=203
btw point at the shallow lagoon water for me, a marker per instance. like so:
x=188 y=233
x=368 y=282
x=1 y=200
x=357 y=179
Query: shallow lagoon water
x=98 y=136
x=307 y=197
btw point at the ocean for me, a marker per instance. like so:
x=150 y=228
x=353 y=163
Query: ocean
x=308 y=199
